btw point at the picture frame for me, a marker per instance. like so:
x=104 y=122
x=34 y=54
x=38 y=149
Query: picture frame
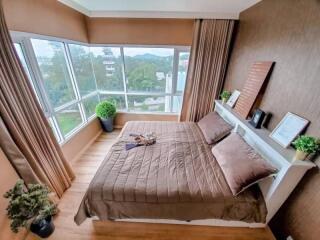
x=233 y=98
x=288 y=129
x=257 y=118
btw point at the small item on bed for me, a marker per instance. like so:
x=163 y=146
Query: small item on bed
x=214 y=127
x=141 y=140
x=241 y=164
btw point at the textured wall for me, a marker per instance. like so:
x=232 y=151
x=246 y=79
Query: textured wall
x=46 y=17
x=140 y=31
x=287 y=32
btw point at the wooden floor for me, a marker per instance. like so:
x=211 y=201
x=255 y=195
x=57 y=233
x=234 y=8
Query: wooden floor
x=85 y=168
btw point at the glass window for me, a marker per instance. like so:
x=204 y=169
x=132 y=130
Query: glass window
x=90 y=104
x=69 y=118
x=177 y=104
x=107 y=64
x=146 y=103
x=53 y=66
x=182 y=70
x=118 y=100
x=81 y=61
x=148 y=69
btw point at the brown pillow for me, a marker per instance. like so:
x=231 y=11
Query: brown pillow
x=242 y=166
x=214 y=127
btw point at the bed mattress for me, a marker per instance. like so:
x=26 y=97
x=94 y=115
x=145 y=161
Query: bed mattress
x=176 y=178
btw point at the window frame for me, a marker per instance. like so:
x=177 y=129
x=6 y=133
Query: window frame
x=24 y=40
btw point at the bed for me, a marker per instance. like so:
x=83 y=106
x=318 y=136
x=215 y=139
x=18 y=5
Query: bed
x=177 y=178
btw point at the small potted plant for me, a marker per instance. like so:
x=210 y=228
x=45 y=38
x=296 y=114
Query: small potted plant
x=106 y=112
x=31 y=207
x=305 y=145
x=225 y=95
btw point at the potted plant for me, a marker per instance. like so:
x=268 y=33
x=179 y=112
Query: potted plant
x=305 y=145
x=31 y=207
x=225 y=95
x=106 y=112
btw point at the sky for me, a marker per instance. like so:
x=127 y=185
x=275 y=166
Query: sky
x=44 y=49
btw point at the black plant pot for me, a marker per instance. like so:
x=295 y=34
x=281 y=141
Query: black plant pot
x=43 y=228
x=107 y=124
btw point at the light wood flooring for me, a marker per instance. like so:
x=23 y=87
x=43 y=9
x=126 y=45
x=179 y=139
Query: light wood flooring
x=85 y=168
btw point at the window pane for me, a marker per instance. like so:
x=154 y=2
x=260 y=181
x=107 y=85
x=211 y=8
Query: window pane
x=90 y=105
x=69 y=118
x=83 y=70
x=107 y=64
x=23 y=61
x=52 y=62
x=148 y=69
x=118 y=100
x=146 y=104
x=182 y=70
x=177 y=104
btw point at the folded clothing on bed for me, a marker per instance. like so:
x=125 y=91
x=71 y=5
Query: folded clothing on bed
x=176 y=178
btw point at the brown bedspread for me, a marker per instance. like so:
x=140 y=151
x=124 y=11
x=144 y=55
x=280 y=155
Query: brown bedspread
x=176 y=178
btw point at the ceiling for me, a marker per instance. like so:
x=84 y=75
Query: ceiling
x=219 y=9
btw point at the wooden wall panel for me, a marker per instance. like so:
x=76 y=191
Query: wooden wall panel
x=257 y=76
x=288 y=33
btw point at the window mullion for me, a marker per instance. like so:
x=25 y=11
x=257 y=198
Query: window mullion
x=174 y=76
x=124 y=78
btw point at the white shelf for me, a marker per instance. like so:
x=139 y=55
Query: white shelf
x=264 y=134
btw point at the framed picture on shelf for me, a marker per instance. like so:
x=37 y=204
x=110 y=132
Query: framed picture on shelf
x=257 y=118
x=288 y=129
x=233 y=98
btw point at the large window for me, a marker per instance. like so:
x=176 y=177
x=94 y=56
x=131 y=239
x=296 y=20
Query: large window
x=70 y=79
x=141 y=79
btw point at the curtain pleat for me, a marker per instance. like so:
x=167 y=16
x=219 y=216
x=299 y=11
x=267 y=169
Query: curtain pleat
x=26 y=124
x=207 y=67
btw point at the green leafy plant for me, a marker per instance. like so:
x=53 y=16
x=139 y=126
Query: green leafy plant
x=225 y=94
x=27 y=205
x=307 y=144
x=106 y=109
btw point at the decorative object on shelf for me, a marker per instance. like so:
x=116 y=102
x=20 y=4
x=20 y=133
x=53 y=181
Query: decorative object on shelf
x=257 y=118
x=288 y=129
x=254 y=86
x=305 y=145
x=225 y=95
x=233 y=99
x=106 y=111
x=31 y=206
x=266 y=120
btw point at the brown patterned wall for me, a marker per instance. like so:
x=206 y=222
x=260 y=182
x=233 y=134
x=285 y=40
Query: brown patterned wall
x=287 y=32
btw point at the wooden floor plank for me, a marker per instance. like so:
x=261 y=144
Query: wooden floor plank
x=85 y=168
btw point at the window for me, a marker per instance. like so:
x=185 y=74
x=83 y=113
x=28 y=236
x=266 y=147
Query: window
x=141 y=79
x=54 y=70
x=82 y=66
x=70 y=79
x=148 y=69
x=107 y=63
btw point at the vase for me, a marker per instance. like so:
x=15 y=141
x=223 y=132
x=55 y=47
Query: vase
x=300 y=155
x=44 y=228
x=107 y=124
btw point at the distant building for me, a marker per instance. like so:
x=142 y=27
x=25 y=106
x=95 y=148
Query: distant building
x=109 y=62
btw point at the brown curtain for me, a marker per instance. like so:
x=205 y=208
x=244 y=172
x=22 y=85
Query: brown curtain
x=32 y=145
x=208 y=61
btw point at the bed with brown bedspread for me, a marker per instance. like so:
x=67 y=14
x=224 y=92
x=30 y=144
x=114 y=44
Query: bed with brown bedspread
x=176 y=178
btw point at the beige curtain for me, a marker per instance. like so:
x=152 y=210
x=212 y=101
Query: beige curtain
x=32 y=143
x=208 y=61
